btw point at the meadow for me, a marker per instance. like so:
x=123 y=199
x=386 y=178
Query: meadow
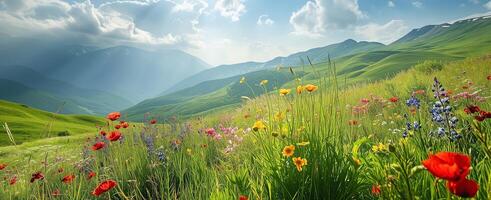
x=422 y=134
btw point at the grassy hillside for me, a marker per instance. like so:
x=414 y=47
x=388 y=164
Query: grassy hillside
x=29 y=124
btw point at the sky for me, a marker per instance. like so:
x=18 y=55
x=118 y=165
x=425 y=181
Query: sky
x=226 y=31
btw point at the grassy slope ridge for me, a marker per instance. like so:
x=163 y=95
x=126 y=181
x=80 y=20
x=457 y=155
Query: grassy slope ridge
x=35 y=87
x=444 y=43
x=29 y=124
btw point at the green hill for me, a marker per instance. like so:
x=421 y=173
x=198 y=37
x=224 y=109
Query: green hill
x=29 y=124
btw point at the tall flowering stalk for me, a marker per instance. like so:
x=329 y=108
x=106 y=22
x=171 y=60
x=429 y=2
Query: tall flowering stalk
x=441 y=113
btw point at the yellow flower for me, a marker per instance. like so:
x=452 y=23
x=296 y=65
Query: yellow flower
x=379 y=148
x=284 y=92
x=303 y=143
x=284 y=129
x=258 y=125
x=299 y=89
x=279 y=116
x=299 y=163
x=311 y=88
x=242 y=80
x=288 y=151
x=263 y=82
x=189 y=151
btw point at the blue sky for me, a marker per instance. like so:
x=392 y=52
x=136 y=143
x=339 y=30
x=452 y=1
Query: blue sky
x=227 y=31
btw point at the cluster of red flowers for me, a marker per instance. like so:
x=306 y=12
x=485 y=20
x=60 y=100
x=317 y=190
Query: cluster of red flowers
x=479 y=114
x=453 y=167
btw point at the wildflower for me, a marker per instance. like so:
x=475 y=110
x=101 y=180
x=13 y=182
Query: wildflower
x=103 y=133
x=243 y=197
x=56 y=192
x=352 y=122
x=376 y=190
x=365 y=100
x=114 y=136
x=153 y=121
x=394 y=99
x=472 y=109
x=263 y=82
x=441 y=113
x=489 y=77
x=117 y=126
x=68 y=179
x=104 y=187
x=114 y=116
x=98 y=145
x=463 y=188
x=258 y=125
x=242 y=80
x=279 y=116
x=299 y=163
x=189 y=151
x=448 y=165
x=13 y=180
x=3 y=166
x=379 y=148
x=125 y=125
x=288 y=151
x=91 y=175
x=300 y=89
x=37 y=176
x=419 y=92
x=413 y=102
x=303 y=143
x=284 y=92
x=311 y=88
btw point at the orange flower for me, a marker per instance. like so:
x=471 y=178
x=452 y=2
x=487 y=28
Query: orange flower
x=288 y=150
x=104 y=187
x=125 y=124
x=114 y=116
x=2 y=166
x=299 y=163
x=419 y=92
x=300 y=89
x=114 y=136
x=352 y=122
x=376 y=190
x=68 y=179
x=311 y=88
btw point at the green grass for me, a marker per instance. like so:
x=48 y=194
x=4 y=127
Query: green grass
x=29 y=124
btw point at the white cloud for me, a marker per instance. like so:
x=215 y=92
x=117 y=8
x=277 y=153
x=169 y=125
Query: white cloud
x=316 y=16
x=475 y=1
x=488 y=5
x=384 y=33
x=391 y=4
x=232 y=9
x=417 y=4
x=264 y=20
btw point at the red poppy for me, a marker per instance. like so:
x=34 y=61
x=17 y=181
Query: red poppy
x=479 y=118
x=2 y=166
x=448 y=165
x=98 y=146
x=153 y=121
x=118 y=126
x=352 y=122
x=376 y=190
x=489 y=77
x=243 y=197
x=485 y=114
x=463 y=188
x=472 y=109
x=104 y=187
x=394 y=99
x=13 y=180
x=37 y=176
x=125 y=125
x=103 y=133
x=56 y=192
x=365 y=100
x=114 y=116
x=90 y=175
x=68 y=179
x=114 y=136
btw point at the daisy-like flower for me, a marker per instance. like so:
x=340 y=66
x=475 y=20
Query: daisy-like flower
x=258 y=125
x=288 y=150
x=311 y=87
x=299 y=162
x=284 y=92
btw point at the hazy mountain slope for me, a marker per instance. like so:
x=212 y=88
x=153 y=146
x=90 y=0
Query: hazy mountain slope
x=93 y=101
x=132 y=73
x=316 y=55
x=29 y=124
